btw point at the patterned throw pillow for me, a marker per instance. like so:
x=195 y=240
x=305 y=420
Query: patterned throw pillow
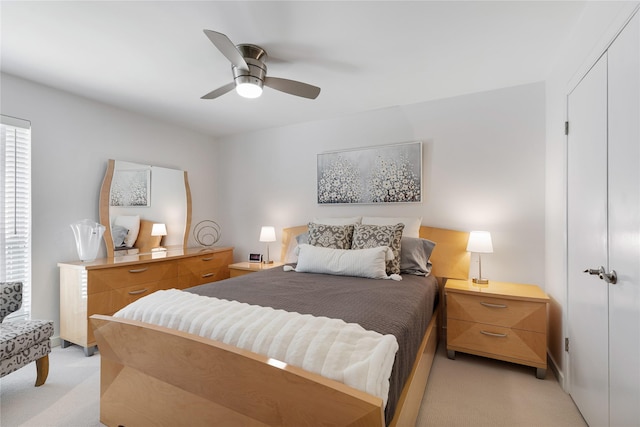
x=370 y=236
x=330 y=236
x=10 y=298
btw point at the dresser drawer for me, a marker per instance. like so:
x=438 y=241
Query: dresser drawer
x=102 y=280
x=111 y=301
x=509 y=313
x=205 y=262
x=205 y=268
x=205 y=276
x=514 y=345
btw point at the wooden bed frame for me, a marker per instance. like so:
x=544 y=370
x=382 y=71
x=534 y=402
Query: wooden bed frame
x=152 y=375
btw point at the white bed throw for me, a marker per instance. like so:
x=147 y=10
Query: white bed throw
x=344 y=352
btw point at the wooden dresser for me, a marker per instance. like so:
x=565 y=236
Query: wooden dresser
x=106 y=285
x=506 y=321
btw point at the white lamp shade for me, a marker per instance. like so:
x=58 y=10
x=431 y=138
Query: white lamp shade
x=480 y=242
x=159 y=230
x=268 y=234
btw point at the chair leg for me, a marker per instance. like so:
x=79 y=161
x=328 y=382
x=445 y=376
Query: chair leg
x=42 y=367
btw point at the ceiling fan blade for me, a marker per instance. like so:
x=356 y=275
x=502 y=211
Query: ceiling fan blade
x=220 y=91
x=292 y=87
x=227 y=48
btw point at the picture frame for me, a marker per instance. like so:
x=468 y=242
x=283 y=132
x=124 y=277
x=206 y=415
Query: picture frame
x=371 y=175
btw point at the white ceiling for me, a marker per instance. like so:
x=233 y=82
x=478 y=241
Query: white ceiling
x=152 y=57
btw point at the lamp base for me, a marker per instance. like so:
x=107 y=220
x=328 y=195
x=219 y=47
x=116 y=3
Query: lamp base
x=480 y=281
x=158 y=249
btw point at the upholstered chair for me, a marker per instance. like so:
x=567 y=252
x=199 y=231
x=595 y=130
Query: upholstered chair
x=22 y=342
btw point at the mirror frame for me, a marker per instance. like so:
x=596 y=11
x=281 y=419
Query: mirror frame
x=105 y=196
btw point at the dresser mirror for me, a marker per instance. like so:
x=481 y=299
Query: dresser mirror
x=152 y=194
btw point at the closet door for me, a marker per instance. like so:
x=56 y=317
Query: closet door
x=587 y=245
x=624 y=226
x=604 y=230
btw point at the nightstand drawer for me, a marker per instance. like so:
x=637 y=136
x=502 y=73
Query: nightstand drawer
x=514 y=345
x=508 y=313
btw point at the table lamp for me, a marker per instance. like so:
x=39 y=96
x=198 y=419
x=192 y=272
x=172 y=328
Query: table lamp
x=480 y=243
x=268 y=234
x=159 y=229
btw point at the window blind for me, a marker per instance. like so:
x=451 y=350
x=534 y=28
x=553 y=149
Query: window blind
x=15 y=199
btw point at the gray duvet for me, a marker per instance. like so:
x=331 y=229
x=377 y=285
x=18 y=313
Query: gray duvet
x=401 y=308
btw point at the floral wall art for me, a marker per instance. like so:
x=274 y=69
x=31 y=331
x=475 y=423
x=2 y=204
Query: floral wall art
x=131 y=188
x=384 y=174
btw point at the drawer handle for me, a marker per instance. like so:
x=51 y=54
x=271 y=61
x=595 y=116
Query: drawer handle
x=493 y=334
x=207 y=259
x=488 y=304
x=139 y=270
x=204 y=276
x=141 y=291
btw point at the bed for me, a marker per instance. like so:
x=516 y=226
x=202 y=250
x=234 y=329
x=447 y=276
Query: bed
x=154 y=375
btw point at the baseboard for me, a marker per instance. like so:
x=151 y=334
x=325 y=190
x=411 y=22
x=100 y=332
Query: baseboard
x=556 y=371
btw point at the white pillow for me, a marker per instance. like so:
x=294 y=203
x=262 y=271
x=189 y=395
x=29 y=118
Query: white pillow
x=411 y=224
x=369 y=263
x=338 y=221
x=131 y=223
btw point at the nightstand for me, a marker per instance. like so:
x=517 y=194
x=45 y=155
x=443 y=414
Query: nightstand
x=505 y=321
x=241 y=268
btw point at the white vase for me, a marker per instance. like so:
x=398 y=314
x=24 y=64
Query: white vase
x=88 y=236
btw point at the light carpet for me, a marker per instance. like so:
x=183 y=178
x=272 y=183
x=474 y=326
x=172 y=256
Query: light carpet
x=476 y=391
x=468 y=391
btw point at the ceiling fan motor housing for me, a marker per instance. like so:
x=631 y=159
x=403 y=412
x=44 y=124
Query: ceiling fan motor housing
x=255 y=58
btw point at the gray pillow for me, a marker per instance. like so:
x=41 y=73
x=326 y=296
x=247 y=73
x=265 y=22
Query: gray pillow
x=302 y=238
x=330 y=236
x=414 y=256
x=118 y=233
x=371 y=236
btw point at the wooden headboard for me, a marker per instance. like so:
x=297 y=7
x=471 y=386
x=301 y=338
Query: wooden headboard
x=450 y=258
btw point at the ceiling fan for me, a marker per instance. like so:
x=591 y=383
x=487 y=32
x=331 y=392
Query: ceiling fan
x=250 y=71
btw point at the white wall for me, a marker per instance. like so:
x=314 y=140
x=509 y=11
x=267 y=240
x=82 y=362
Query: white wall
x=72 y=139
x=483 y=168
x=599 y=24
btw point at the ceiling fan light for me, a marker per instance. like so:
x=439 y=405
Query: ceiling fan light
x=248 y=90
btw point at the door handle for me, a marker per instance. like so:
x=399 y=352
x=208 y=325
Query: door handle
x=594 y=272
x=611 y=277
